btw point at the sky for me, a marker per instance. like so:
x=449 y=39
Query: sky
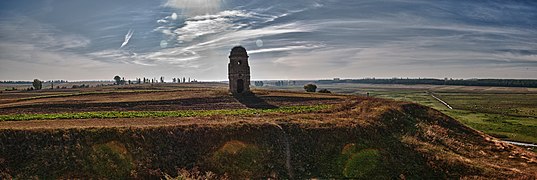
x=298 y=39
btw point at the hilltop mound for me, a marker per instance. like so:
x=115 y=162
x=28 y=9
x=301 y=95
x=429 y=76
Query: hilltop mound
x=354 y=137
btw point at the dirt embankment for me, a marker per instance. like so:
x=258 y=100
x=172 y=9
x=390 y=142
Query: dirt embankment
x=363 y=138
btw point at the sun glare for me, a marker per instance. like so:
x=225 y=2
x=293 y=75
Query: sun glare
x=196 y=7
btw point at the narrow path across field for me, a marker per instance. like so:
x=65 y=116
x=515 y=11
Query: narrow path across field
x=441 y=101
x=521 y=143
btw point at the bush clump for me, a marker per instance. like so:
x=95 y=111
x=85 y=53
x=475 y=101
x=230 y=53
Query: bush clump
x=324 y=91
x=310 y=87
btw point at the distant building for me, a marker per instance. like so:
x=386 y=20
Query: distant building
x=238 y=71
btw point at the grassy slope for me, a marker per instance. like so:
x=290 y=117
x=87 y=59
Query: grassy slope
x=360 y=138
x=507 y=113
x=502 y=115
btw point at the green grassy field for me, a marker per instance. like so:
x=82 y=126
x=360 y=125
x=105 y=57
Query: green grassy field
x=148 y=114
x=509 y=113
x=505 y=116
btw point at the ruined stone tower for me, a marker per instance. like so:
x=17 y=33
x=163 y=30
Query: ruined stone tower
x=238 y=71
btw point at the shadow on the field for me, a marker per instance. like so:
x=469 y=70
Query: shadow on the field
x=250 y=100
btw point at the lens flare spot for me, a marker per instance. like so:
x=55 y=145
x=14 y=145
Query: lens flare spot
x=163 y=44
x=259 y=43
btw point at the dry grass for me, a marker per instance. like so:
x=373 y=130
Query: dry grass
x=395 y=140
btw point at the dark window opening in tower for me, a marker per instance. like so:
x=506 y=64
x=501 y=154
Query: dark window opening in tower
x=240 y=62
x=240 y=86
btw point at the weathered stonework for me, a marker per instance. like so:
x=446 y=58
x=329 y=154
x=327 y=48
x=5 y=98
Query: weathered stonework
x=238 y=71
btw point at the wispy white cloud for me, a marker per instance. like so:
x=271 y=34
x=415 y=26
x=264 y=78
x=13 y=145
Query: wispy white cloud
x=22 y=29
x=300 y=38
x=400 y=38
x=235 y=37
x=286 y=48
x=32 y=54
x=201 y=35
x=178 y=57
x=24 y=39
x=26 y=61
x=205 y=25
x=198 y=26
x=127 y=38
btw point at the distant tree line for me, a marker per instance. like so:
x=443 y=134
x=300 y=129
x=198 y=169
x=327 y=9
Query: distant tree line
x=38 y=85
x=258 y=83
x=285 y=83
x=275 y=83
x=30 y=82
x=80 y=86
x=15 y=82
x=121 y=80
x=446 y=81
x=184 y=80
x=281 y=83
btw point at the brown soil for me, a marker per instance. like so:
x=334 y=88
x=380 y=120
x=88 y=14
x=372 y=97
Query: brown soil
x=163 y=99
x=415 y=142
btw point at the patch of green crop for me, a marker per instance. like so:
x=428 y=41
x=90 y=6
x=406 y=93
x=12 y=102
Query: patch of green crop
x=514 y=128
x=180 y=113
